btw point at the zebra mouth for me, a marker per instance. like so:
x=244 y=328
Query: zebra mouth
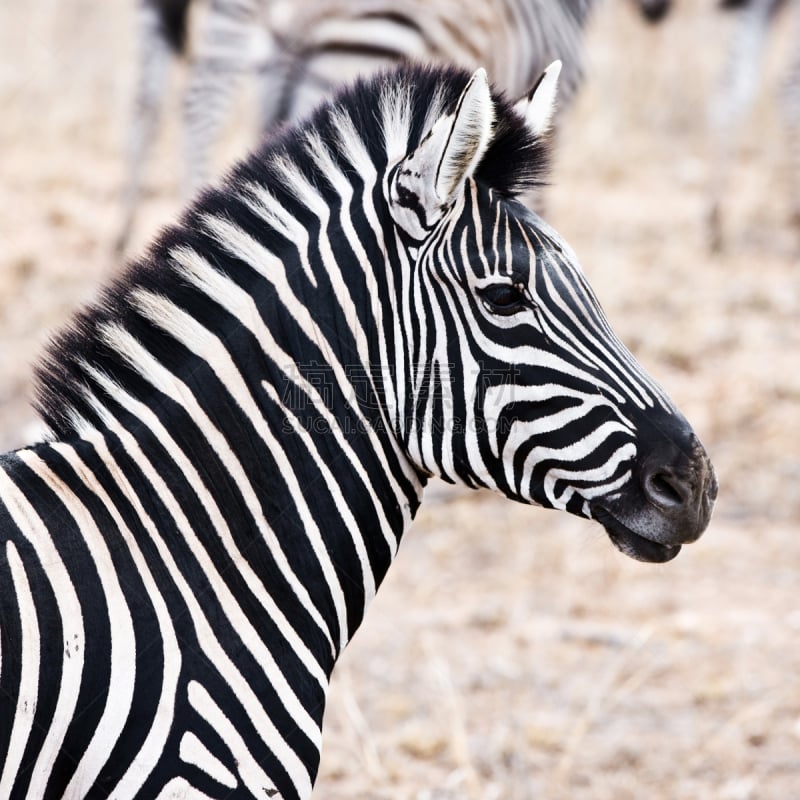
x=632 y=544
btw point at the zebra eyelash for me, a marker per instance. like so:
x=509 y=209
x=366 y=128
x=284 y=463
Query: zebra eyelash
x=522 y=301
x=506 y=299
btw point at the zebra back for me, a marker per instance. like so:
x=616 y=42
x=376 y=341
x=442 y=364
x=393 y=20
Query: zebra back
x=329 y=42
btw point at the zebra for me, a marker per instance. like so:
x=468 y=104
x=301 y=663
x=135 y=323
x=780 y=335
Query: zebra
x=241 y=427
x=303 y=51
x=735 y=93
x=324 y=43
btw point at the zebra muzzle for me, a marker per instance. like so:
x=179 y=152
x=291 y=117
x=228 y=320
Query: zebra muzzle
x=668 y=506
x=631 y=543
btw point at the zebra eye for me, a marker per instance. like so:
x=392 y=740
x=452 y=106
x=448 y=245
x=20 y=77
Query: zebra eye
x=504 y=299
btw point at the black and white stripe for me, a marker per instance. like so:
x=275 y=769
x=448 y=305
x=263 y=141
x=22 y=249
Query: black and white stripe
x=231 y=42
x=302 y=51
x=327 y=42
x=242 y=427
x=735 y=92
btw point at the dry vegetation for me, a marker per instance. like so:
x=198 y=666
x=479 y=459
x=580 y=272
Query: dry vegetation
x=512 y=653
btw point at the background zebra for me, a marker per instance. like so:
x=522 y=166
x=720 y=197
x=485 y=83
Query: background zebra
x=302 y=51
x=735 y=93
x=242 y=428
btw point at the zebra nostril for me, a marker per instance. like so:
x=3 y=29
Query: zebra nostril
x=665 y=490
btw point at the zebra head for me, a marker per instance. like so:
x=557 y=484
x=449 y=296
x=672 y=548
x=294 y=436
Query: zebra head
x=514 y=378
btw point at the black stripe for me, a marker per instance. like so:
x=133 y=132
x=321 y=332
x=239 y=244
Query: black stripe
x=173 y=18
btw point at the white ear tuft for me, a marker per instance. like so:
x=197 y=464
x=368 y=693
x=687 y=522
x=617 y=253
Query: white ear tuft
x=468 y=137
x=539 y=104
x=431 y=178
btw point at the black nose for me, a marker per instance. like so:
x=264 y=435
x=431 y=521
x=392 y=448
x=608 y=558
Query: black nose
x=667 y=491
x=679 y=482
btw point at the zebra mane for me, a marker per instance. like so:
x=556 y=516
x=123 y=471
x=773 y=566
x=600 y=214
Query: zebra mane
x=379 y=119
x=516 y=160
x=389 y=114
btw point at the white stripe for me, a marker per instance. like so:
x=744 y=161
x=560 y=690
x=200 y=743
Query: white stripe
x=243 y=246
x=353 y=146
x=240 y=243
x=253 y=777
x=205 y=633
x=600 y=474
x=241 y=305
x=395 y=118
x=357 y=154
x=236 y=617
x=152 y=748
x=165 y=381
x=122 y=671
x=70 y=615
x=30 y=653
x=573 y=452
x=469 y=367
x=369 y=32
x=403 y=350
x=180 y=789
x=145 y=415
x=261 y=202
x=194 y=752
x=340 y=501
x=602 y=349
x=199 y=340
x=522 y=431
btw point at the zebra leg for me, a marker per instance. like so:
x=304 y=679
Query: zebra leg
x=315 y=76
x=155 y=55
x=223 y=55
x=733 y=97
x=790 y=101
x=277 y=80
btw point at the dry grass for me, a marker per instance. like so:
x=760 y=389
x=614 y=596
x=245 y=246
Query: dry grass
x=512 y=653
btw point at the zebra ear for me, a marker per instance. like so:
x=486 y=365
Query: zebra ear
x=431 y=178
x=538 y=105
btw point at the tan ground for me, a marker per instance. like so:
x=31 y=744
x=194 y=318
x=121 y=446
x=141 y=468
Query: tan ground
x=512 y=652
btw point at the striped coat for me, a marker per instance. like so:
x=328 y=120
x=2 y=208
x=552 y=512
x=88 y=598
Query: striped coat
x=242 y=427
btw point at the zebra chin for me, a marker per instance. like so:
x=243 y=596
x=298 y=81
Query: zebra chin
x=633 y=544
x=667 y=505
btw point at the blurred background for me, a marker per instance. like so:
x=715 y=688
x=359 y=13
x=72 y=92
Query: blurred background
x=512 y=652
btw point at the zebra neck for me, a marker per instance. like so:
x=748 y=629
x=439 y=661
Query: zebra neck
x=255 y=435
x=311 y=388
x=237 y=358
